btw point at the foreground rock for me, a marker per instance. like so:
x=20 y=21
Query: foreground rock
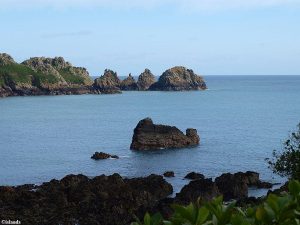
x=145 y=80
x=76 y=199
x=102 y=155
x=205 y=189
x=108 y=83
x=149 y=136
x=179 y=79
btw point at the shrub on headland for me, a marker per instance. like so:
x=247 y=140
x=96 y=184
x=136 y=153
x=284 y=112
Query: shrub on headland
x=283 y=209
x=287 y=162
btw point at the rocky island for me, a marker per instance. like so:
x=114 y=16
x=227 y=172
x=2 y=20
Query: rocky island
x=149 y=136
x=55 y=76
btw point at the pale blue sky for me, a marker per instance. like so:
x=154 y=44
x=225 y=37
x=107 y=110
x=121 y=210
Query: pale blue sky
x=233 y=37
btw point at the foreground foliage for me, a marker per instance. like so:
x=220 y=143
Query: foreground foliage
x=281 y=209
x=287 y=161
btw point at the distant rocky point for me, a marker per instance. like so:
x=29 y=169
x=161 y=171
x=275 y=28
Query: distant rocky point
x=55 y=76
x=149 y=136
x=178 y=79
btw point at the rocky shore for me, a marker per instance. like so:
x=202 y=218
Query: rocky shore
x=112 y=200
x=55 y=76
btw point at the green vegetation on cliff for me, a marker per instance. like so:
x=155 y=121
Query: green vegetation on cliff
x=20 y=74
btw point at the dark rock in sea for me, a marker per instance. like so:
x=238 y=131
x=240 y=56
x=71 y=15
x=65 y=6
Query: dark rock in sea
x=102 y=155
x=77 y=199
x=169 y=174
x=108 y=83
x=149 y=136
x=206 y=189
x=145 y=80
x=178 y=79
x=129 y=84
x=232 y=186
x=194 y=176
x=264 y=185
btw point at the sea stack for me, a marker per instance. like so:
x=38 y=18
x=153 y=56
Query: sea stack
x=179 y=78
x=149 y=136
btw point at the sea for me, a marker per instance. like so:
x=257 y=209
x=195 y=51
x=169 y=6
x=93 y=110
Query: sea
x=240 y=120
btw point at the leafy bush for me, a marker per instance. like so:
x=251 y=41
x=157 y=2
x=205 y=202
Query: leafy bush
x=281 y=209
x=287 y=161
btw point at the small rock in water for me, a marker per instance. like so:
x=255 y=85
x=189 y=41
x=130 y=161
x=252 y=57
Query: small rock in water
x=169 y=174
x=194 y=176
x=102 y=155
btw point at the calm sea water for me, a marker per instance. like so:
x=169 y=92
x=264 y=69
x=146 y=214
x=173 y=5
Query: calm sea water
x=240 y=119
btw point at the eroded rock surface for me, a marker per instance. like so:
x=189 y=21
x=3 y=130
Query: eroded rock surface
x=149 y=136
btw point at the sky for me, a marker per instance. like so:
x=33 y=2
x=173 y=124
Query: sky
x=212 y=37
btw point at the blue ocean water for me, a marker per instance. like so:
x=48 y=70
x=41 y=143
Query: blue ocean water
x=240 y=119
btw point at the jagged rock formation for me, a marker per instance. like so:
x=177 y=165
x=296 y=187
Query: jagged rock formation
x=6 y=59
x=145 y=80
x=129 y=84
x=55 y=76
x=63 y=71
x=108 y=83
x=42 y=76
x=149 y=136
x=178 y=79
x=77 y=199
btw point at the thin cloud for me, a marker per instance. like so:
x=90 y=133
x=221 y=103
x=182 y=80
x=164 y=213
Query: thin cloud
x=148 y=4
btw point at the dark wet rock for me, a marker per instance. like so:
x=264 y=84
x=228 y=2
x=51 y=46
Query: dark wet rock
x=102 y=155
x=108 y=83
x=232 y=186
x=149 y=136
x=264 y=185
x=77 y=199
x=145 y=80
x=249 y=201
x=169 y=174
x=179 y=79
x=129 y=84
x=206 y=189
x=194 y=176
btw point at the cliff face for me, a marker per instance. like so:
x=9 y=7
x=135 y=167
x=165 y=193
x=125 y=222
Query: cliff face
x=179 y=78
x=41 y=76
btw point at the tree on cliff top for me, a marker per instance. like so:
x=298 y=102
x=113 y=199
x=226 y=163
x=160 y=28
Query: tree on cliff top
x=287 y=161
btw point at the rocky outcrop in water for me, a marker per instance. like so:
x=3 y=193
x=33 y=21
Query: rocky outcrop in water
x=145 y=80
x=169 y=174
x=55 y=76
x=149 y=136
x=77 y=199
x=179 y=79
x=108 y=83
x=129 y=84
x=103 y=155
